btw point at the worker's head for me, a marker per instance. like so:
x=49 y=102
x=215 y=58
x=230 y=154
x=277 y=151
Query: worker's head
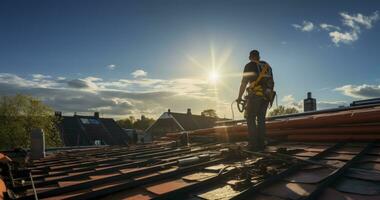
x=254 y=55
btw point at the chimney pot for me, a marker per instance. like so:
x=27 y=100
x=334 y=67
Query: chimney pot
x=309 y=95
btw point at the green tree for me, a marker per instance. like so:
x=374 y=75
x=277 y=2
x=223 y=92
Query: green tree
x=209 y=113
x=132 y=123
x=20 y=114
x=126 y=123
x=282 y=110
x=143 y=123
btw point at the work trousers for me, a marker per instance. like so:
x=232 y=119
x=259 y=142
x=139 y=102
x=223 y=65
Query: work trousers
x=256 y=110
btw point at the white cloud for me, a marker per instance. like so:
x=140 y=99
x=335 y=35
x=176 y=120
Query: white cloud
x=352 y=22
x=306 y=26
x=111 y=66
x=93 y=79
x=88 y=83
x=343 y=37
x=40 y=76
x=13 y=79
x=37 y=80
x=329 y=27
x=356 y=20
x=360 y=91
x=115 y=98
x=139 y=73
x=287 y=99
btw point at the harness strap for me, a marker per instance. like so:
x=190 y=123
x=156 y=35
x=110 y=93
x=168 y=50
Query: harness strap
x=263 y=72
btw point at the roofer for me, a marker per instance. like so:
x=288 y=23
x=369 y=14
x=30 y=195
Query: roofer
x=258 y=74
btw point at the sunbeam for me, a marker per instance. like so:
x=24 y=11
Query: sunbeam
x=212 y=71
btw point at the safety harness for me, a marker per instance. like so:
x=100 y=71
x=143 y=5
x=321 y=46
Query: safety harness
x=255 y=89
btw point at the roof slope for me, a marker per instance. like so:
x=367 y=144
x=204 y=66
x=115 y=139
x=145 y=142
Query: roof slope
x=172 y=122
x=302 y=169
x=84 y=130
x=115 y=130
x=72 y=133
x=193 y=122
x=360 y=124
x=164 y=171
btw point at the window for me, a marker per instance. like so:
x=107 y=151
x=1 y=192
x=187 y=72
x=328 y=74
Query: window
x=89 y=121
x=84 y=121
x=98 y=142
x=94 y=121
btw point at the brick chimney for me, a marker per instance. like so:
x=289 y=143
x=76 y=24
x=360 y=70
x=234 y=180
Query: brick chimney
x=309 y=104
x=37 y=144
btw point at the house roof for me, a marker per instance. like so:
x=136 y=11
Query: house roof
x=209 y=171
x=84 y=130
x=184 y=121
x=193 y=122
x=287 y=169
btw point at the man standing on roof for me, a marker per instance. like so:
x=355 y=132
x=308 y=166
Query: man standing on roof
x=258 y=74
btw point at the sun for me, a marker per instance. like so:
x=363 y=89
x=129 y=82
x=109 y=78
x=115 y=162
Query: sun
x=213 y=76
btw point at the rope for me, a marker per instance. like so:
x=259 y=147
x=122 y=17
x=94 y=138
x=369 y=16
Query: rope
x=232 y=110
x=34 y=188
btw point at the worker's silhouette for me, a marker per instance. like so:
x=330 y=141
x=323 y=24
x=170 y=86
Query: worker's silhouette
x=260 y=93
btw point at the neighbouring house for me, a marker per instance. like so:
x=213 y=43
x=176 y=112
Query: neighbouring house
x=81 y=130
x=137 y=136
x=174 y=122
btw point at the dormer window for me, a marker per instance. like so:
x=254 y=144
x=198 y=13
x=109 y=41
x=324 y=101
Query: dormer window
x=89 y=121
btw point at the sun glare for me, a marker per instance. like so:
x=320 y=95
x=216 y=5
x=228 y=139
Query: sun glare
x=213 y=76
x=214 y=73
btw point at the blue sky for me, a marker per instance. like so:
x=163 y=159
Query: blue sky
x=141 y=57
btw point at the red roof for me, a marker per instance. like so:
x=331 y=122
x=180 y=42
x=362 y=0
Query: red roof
x=162 y=171
x=345 y=167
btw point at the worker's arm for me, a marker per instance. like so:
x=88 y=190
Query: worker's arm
x=247 y=75
x=243 y=85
